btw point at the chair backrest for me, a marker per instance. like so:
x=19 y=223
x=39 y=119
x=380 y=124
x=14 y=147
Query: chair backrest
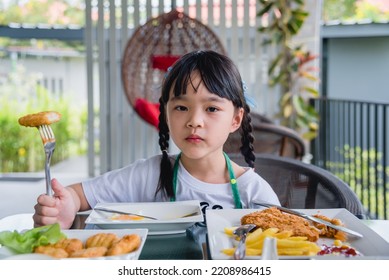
x=269 y=139
x=301 y=185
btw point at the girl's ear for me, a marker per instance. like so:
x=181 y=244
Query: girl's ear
x=237 y=120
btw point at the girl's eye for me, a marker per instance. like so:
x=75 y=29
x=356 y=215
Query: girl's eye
x=180 y=108
x=212 y=109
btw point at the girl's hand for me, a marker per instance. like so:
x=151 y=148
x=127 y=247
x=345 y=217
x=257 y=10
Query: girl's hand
x=60 y=208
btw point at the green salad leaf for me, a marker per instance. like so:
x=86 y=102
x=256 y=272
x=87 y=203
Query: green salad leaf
x=26 y=242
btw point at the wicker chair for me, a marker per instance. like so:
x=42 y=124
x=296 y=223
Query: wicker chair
x=301 y=185
x=154 y=47
x=269 y=139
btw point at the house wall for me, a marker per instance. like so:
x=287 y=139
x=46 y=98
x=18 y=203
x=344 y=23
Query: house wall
x=357 y=68
x=68 y=79
x=355 y=60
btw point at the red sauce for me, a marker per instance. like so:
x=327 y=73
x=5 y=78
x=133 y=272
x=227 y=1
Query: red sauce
x=338 y=250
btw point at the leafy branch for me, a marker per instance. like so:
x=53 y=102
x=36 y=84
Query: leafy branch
x=282 y=20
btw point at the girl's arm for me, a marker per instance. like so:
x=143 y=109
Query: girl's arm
x=79 y=197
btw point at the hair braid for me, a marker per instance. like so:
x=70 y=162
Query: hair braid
x=165 y=183
x=247 y=148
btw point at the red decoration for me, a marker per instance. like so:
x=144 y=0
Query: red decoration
x=148 y=111
x=163 y=62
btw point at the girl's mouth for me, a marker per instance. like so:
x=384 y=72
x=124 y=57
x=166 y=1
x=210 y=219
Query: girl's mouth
x=194 y=139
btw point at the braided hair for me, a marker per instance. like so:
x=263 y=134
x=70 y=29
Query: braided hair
x=221 y=77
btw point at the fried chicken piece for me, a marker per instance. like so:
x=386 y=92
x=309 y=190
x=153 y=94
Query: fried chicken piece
x=51 y=251
x=92 y=252
x=41 y=118
x=70 y=245
x=125 y=245
x=328 y=231
x=101 y=240
x=274 y=218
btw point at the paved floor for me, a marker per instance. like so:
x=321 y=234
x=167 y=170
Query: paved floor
x=19 y=195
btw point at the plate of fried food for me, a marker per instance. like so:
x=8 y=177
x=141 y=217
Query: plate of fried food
x=296 y=237
x=120 y=244
x=159 y=218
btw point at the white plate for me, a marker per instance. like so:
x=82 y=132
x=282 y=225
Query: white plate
x=83 y=235
x=17 y=222
x=371 y=245
x=167 y=213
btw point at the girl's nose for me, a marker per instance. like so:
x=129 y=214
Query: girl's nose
x=195 y=120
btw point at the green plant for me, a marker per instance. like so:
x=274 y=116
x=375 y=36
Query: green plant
x=21 y=148
x=338 y=9
x=289 y=69
x=358 y=168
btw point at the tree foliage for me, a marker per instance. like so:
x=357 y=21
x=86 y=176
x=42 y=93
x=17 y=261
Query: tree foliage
x=368 y=10
x=42 y=12
x=338 y=9
x=52 y=12
x=72 y=11
x=374 y=10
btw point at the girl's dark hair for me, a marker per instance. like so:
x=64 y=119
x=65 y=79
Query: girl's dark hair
x=221 y=77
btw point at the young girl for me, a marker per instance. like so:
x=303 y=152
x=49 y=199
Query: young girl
x=202 y=102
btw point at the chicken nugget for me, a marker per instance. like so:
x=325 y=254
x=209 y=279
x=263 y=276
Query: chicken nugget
x=101 y=240
x=41 y=118
x=125 y=245
x=51 y=251
x=92 y=252
x=70 y=245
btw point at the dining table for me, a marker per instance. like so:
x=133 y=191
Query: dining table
x=178 y=246
x=186 y=246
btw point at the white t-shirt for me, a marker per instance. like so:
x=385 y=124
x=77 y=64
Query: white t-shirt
x=138 y=182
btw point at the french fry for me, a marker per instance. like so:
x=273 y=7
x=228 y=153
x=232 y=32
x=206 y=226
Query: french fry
x=258 y=235
x=298 y=238
x=287 y=244
x=229 y=230
x=293 y=252
x=283 y=234
x=253 y=252
x=229 y=251
x=258 y=242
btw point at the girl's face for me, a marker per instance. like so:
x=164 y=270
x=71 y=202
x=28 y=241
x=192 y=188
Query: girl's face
x=200 y=121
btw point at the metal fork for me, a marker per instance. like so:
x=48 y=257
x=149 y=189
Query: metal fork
x=242 y=232
x=48 y=140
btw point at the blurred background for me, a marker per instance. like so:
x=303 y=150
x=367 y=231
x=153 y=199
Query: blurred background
x=66 y=56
